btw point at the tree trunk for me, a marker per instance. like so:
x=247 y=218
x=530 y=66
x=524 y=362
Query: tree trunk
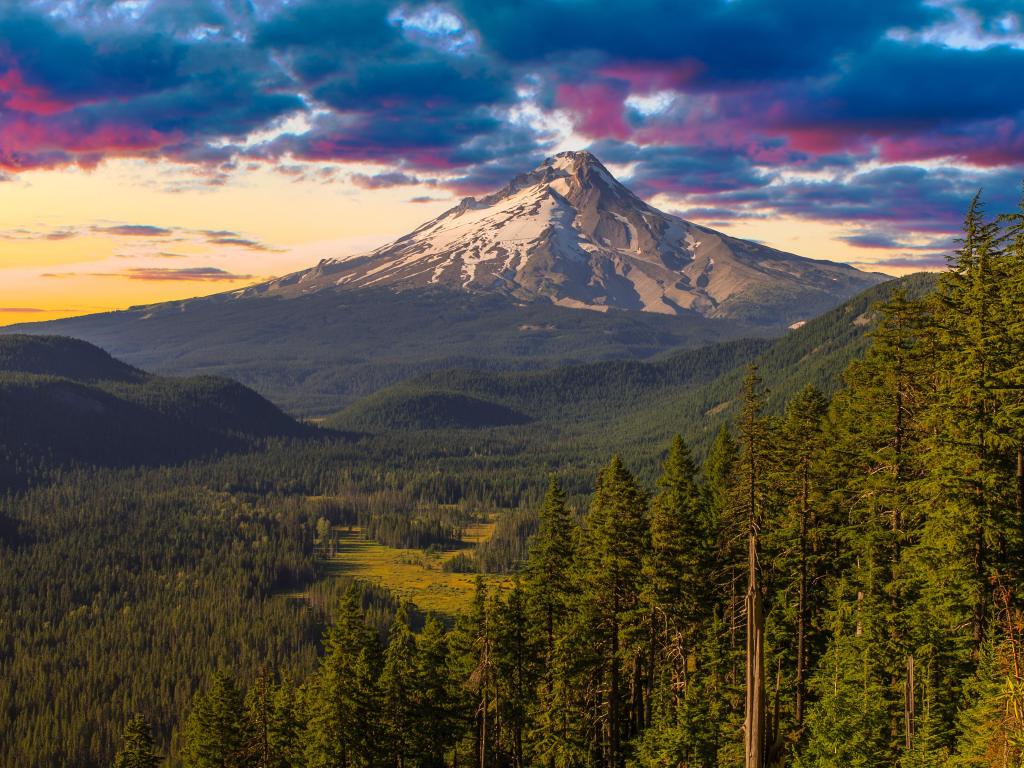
x=801 y=626
x=1020 y=485
x=483 y=731
x=909 y=705
x=753 y=726
x=613 y=701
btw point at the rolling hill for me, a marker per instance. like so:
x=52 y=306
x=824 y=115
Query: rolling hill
x=64 y=401
x=636 y=406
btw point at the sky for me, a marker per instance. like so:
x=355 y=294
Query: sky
x=153 y=150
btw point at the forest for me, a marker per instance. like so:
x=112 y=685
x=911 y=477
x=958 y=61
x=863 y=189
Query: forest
x=835 y=581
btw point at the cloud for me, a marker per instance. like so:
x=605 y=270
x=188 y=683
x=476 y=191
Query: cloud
x=134 y=230
x=74 y=89
x=908 y=197
x=877 y=111
x=204 y=274
x=683 y=170
x=910 y=261
x=382 y=180
x=160 y=274
x=241 y=242
x=61 y=233
x=888 y=240
x=157 y=255
x=735 y=42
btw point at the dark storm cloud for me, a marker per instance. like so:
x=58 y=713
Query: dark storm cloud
x=753 y=94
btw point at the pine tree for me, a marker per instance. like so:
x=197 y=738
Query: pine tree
x=615 y=539
x=877 y=429
x=848 y=724
x=1007 y=376
x=676 y=576
x=515 y=669
x=216 y=734
x=137 y=750
x=341 y=727
x=675 y=568
x=549 y=566
x=729 y=525
x=399 y=698
x=436 y=714
x=471 y=646
x=284 y=727
x=749 y=501
x=729 y=530
x=793 y=545
x=966 y=452
x=969 y=482
x=258 y=710
x=548 y=596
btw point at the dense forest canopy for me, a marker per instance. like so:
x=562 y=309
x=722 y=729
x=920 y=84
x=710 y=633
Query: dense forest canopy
x=834 y=581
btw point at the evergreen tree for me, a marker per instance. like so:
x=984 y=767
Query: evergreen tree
x=399 y=697
x=516 y=672
x=848 y=724
x=676 y=577
x=615 y=539
x=284 y=727
x=548 y=569
x=216 y=733
x=794 y=548
x=436 y=714
x=258 y=711
x=471 y=661
x=750 y=502
x=729 y=529
x=341 y=727
x=877 y=430
x=675 y=567
x=137 y=750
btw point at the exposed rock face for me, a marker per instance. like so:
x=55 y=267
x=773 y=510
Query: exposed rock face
x=569 y=232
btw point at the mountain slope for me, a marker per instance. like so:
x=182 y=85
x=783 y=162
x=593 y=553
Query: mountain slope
x=64 y=401
x=575 y=394
x=313 y=354
x=633 y=406
x=569 y=232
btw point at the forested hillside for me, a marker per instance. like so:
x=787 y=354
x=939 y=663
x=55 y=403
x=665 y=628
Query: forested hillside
x=63 y=401
x=313 y=354
x=839 y=585
x=633 y=406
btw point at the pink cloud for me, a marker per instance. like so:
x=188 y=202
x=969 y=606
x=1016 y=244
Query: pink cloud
x=644 y=77
x=31 y=141
x=997 y=143
x=597 y=106
x=17 y=95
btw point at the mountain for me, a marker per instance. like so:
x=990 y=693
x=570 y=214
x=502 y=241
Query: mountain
x=569 y=232
x=497 y=283
x=636 y=406
x=313 y=354
x=63 y=401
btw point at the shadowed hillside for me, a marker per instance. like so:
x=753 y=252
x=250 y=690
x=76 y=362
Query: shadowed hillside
x=65 y=401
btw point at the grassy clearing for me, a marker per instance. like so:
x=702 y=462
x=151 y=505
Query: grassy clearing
x=411 y=574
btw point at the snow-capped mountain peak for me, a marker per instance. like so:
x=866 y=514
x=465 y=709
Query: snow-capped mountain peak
x=569 y=232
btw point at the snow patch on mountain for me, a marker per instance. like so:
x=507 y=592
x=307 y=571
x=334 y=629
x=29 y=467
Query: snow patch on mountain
x=568 y=232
